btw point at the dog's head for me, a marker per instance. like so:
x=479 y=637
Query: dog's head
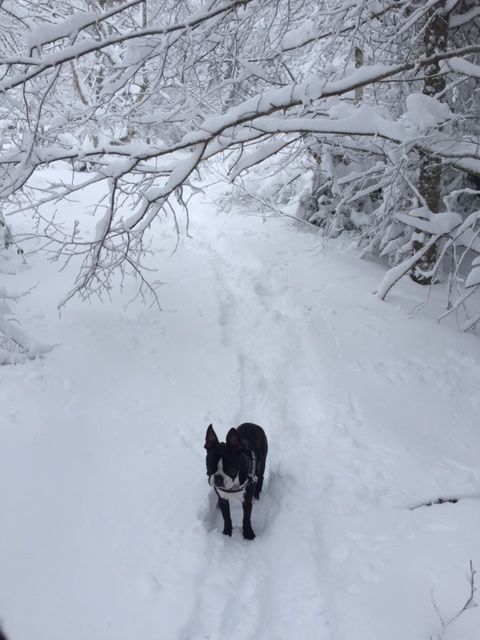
x=228 y=462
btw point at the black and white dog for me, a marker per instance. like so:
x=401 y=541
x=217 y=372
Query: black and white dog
x=235 y=470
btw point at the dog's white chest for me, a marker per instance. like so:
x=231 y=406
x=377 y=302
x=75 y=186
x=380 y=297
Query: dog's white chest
x=236 y=496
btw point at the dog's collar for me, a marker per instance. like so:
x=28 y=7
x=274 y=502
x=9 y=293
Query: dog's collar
x=239 y=489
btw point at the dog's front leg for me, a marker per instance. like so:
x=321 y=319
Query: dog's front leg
x=227 y=521
x=247 y=514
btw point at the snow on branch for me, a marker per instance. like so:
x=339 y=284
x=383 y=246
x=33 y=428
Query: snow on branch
x=90 y=45
x=454 y=231
x=464 y=67
x=309 y=33
x=71 y=26
x=460 y=19
x=392 y=276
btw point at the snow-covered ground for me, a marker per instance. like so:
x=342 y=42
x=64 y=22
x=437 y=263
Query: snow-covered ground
x=109 y=530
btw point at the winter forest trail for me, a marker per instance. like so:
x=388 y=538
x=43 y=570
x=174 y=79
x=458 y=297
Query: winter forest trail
x=109 y=527
x=279 y=582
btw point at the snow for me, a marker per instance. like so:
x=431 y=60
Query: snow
x=473 y=278
x=309 y=32
x=464 y=66
x=459 y=19
x=433 y=223
x=425 y=111
x=248 y=160
x=272 y=100
x=365 y=121
x=108 y=526
x=297 y=37
x=49 y=32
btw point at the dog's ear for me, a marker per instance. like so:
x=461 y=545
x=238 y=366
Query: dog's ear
x=233 y=439
x=211 y=439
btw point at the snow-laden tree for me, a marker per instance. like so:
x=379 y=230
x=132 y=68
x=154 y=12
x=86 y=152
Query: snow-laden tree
x=377 y=97
x=390 y=192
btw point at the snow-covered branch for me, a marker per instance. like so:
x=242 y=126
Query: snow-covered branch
x=91 y=45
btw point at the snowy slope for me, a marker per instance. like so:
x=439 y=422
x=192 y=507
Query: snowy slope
x=109 y=530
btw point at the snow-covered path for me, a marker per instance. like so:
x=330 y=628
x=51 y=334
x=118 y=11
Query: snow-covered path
x=109 y=530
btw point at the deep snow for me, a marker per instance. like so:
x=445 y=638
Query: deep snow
x=109 y=530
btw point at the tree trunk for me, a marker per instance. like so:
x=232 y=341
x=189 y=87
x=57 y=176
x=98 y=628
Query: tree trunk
x=430 y=176
x=358 y=63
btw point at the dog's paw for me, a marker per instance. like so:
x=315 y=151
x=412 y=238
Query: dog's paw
x=248 y=534
x=227 y=531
